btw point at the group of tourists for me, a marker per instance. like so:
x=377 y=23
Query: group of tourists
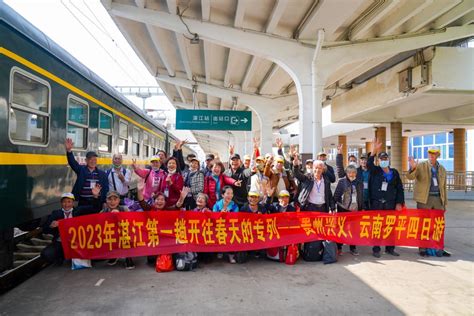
x=252 y=184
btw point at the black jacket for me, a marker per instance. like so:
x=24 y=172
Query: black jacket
x=56 y=215
x=343 y=194
x=307 y=182
x=394 y=193
x=262 y=209
x=340 y=169
x=330 y=173
x=240 y=193
x=274 y=208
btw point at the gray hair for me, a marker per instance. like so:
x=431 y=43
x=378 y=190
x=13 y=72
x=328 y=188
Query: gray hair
x=319 y=162
x=203 y=195
x=350 y=168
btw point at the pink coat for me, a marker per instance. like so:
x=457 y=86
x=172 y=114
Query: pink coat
x=149 y=175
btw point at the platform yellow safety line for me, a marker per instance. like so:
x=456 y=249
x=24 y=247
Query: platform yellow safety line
x=15 y=159
x=69 y=86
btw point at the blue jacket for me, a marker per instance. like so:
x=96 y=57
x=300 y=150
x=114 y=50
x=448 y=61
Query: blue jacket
x=81 y=172
x=232 y=207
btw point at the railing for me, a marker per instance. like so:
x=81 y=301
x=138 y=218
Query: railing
x=455 y=181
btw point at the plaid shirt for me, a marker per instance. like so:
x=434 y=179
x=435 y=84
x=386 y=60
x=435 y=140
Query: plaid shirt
x=195 y=180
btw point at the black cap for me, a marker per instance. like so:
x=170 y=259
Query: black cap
x=363 y=156
x=235 y=156
x=383 y=154
x=210 y=157
x=91 y=154
x=190 y=156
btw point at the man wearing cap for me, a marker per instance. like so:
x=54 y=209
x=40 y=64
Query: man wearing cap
x=207 y=170
x=154 y=178
x=247 y=161
x=280 y=179
x=253 y=206
x=258 y=181
x=194 y=180
x=88 y=177
x=329 y=169
x=238 y=172
x=385 y=189
x=119 y=177
x=430 y=186
x=283 y=204
x=362 y=172
x=53 y=253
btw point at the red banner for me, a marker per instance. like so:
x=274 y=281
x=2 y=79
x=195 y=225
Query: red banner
x=129 y=234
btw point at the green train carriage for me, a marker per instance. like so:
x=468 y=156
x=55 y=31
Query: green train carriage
x=45 y=96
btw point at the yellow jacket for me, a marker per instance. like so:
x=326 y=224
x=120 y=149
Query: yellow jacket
x=422 y=175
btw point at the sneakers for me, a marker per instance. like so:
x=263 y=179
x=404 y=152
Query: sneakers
x=112 y=262
x=393 y=253
x=446 y=254
x=232 y=259
x=376 y=254
x=129 y=265
x=354 y=252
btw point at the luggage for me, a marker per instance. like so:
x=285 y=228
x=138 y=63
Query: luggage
x=330 y=252
x=186 y=261
x=241 y=256
x=292 y=254
x=313 y=251
x=276 y=254
x=164 y=263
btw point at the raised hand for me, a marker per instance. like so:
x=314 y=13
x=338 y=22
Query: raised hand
x=376 y=146
x=231 y=149
x=238 y=183
x=256 y=143
x=339 y=149
x=412 y=162
x=96 y=190
x=296 y=161
x=68 y=144
x=134 y=163
x=279 y=143
x=184 y=192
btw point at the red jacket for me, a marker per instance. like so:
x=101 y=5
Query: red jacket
x=210 y=187
x=174 y=190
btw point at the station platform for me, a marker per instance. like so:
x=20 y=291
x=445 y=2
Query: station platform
x=359 y=285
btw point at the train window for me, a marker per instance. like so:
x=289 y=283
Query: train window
x=136 y=142
x=146 y=144
x=29 y=109
x=77 y=121
x=105 y=131
x=123 y=137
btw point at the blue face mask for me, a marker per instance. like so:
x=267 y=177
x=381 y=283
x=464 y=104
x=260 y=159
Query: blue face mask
x=384 y=163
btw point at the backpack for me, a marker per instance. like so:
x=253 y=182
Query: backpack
x=329 y=253
x=313 y=251
x=186 y=261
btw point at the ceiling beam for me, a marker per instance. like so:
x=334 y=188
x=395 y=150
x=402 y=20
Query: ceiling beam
x=181 y=94
x=371 y=17
x=403 y=14
x=275 y=17
x=207 y=60
x=240 y=13
x=268 y=77
x=452 y=15
x=307 y=18
x=159 y=48
x=206 y=10
x=430 y=13
x=468 y=18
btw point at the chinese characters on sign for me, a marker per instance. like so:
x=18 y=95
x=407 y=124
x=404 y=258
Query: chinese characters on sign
x=214 y=120
x=145 y=233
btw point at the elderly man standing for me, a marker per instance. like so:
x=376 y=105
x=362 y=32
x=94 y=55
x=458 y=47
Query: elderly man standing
x=119 y=177
x=88 y=177
x=430 y=186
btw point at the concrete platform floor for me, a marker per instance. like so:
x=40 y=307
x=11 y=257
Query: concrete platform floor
x=354 y=286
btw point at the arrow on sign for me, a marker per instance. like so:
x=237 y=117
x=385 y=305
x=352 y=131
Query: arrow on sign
x=244 y=120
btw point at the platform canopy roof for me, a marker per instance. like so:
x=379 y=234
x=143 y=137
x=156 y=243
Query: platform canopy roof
x=230 y=51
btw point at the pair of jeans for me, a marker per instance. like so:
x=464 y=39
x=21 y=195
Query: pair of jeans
x=385 y=205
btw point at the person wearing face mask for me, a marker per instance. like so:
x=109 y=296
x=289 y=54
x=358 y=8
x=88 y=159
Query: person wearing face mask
x=329 y=169
x=53 y=253
x=154 y=178
x=194 y=180
x=362 y=172
x=349 y=195
x=173 y=183
x=385 y=189
x=119 y=177
x=258 y=180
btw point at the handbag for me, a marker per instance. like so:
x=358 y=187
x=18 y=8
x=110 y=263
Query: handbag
x=164 y=263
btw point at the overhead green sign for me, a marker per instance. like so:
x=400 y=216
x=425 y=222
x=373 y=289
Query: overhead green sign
x=214 y=120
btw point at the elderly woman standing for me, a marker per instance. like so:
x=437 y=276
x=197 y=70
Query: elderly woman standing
x=349 y=197
x=315 y=194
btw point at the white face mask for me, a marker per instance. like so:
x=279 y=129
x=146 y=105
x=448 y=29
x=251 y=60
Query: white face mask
x=309 y=170
x=353 y=163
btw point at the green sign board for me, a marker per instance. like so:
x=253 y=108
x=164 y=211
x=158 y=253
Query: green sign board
x=214 y=120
